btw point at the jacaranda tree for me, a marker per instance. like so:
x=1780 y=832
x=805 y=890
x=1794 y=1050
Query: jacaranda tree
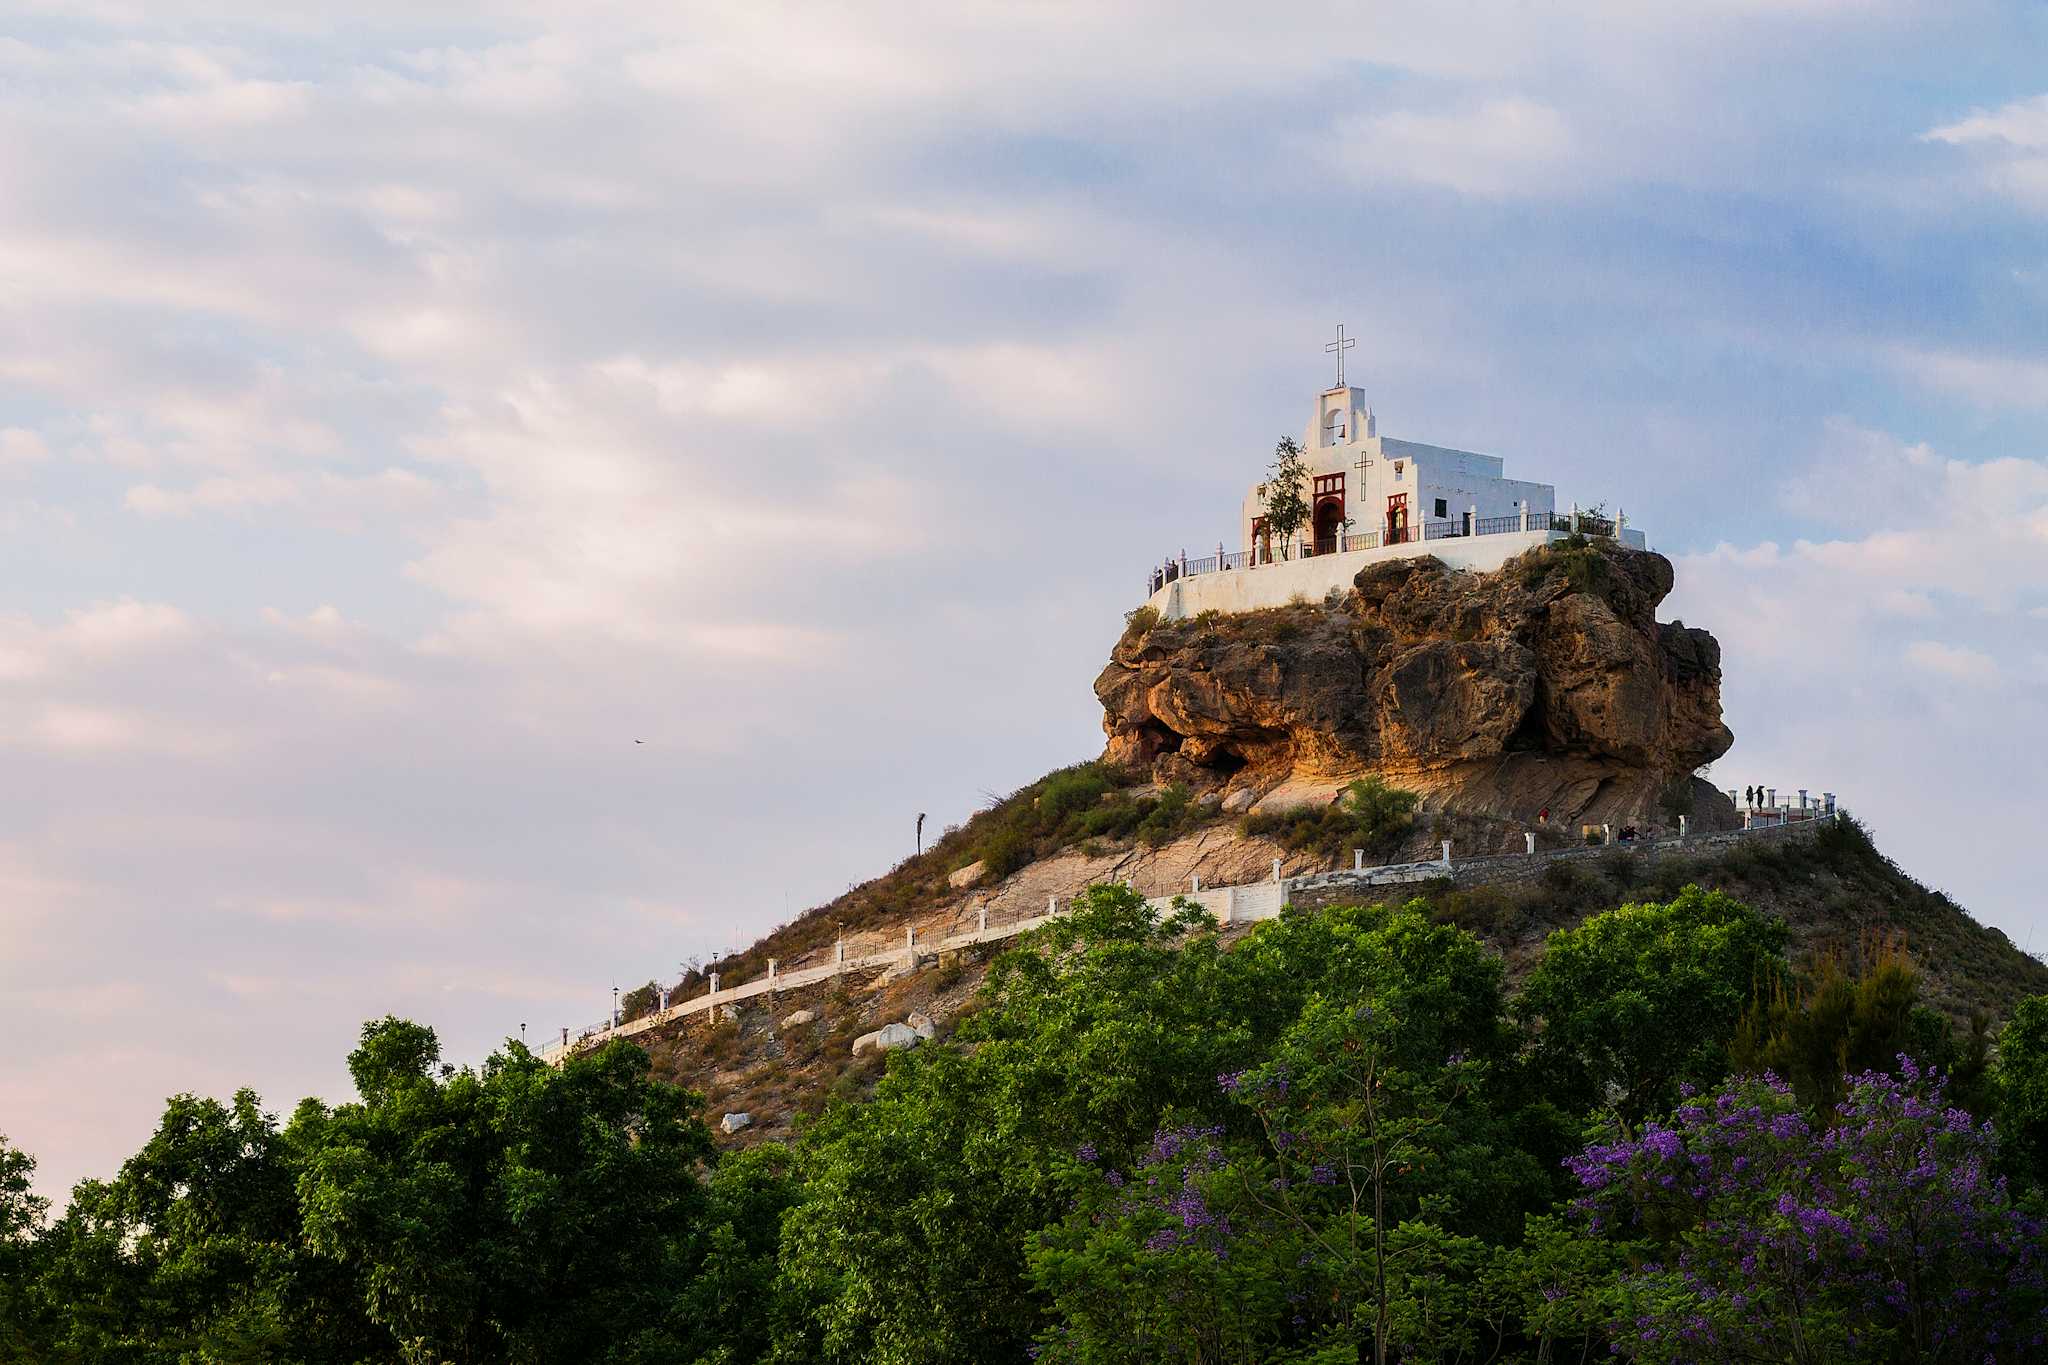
x=1878 y=1233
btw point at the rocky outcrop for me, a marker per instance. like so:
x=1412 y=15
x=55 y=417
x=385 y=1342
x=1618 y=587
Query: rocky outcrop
x=1548 y=685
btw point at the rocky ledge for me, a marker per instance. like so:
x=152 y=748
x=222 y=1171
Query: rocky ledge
x=1547 y=686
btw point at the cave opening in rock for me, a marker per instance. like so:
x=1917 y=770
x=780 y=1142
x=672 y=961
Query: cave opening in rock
x=1530 y=735
x=1226 y=761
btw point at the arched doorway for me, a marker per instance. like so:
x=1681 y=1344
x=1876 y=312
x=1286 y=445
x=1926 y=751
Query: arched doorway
x=1328 y=524
x=1397 y=519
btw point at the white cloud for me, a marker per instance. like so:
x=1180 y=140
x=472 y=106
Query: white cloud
x=20 y=447
x=1834 y=675
x=2008 y=147
x=1989 y=380
x=1501 y=147
x=1960 y=663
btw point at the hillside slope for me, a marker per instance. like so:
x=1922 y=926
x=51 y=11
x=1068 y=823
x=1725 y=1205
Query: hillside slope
x=1833 y=887
x=1509 y=704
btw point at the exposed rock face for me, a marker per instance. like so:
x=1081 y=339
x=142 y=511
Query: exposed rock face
x=1548 y=685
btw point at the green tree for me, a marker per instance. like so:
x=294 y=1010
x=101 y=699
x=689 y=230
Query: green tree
x=1834 y=1024
x=514 y=1213
x=1359 y=1138
x=194 y=1252
x=909 y=1244
x=1347 y=1194
x=1285 y=493
x=2020 y=1084
x=1634 y=1001
x=730 y=1305
x=1166 y=1262
x=22 y=1212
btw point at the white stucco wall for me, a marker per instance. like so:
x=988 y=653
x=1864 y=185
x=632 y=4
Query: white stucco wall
x=1275 y=585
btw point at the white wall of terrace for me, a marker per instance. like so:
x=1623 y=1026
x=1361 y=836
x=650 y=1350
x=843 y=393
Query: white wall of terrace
x=1258 y=587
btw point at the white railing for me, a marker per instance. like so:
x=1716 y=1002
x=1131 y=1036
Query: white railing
x=1421 y=531
x=1243 y=903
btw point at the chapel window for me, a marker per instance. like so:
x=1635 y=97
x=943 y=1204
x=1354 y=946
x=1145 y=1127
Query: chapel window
x=1443 y=508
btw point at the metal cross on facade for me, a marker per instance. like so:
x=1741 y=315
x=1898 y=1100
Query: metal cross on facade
x=1338 y=348
x=1364 y=463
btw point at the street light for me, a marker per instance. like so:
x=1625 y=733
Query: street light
x=615 y=1006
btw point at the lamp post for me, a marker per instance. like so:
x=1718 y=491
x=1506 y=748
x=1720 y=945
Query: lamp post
x=615 y=1006
x=920 y=834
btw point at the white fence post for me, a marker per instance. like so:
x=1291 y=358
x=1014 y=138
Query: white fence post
x=981 y=918
x=1052 y=905
x=1606 y=833
x=1198 y=883
x=1229 y=904
x=714 y=983
x=1447 y=853
x=1524 y=504
x=1531 y=839
x=1683 y=822
x=771 y=973
x=1276 y=869
x=1773 y=803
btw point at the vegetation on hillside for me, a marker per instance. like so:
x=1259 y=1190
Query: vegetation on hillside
x=1370 y=815
x=1348 y=1136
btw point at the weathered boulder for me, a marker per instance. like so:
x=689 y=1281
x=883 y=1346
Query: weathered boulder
x=798 y=1018
x=888 y=1038
x=732 y=1123
x=966 y=876
x=1548 y=685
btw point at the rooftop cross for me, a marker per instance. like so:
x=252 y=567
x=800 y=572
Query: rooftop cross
x=1338 y=348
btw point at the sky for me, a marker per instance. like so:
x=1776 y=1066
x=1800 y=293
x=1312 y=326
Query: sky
x=406 y=408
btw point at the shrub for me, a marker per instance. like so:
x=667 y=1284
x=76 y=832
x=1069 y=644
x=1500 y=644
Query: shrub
x=1140 y=622
x=1004 y=851
x=639 y=1001
x=1172 y=811
x=1371 y=815
x=1071 y=790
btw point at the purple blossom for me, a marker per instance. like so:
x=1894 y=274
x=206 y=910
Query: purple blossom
x=1883 y=1224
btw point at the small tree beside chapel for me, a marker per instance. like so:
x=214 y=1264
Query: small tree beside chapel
x=1287 y=509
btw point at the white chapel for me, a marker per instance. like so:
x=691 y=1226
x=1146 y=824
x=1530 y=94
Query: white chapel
x=1373 y=496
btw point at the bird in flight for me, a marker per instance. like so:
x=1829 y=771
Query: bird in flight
x=639 y=741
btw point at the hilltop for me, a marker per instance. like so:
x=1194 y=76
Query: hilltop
x=1545 y=689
